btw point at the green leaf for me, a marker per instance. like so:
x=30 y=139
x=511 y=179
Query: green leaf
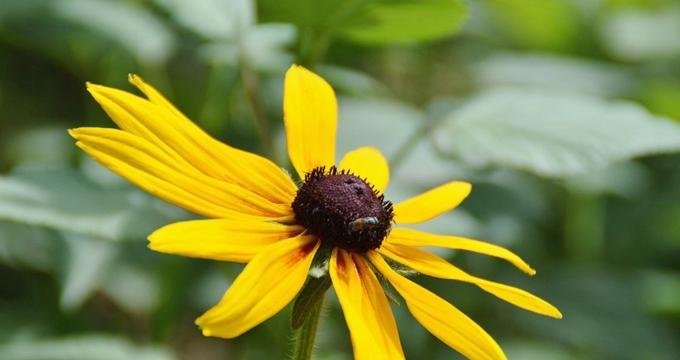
x=405 y=21
x=213 y=19
x=132 y=288
x=546 y=71
x=547 y=24
x=638 y=35
x=87 y=263
x=64 y=199
x=661 y=292
x=305 y=13
x=350 y=81
x=552 y=134
x=263 y=46
x=128 y=23
x=46 y=145
x=527 y=350
x=602 y=314
x=377 y=22
x=662 y=97
x=84 y=347
x=381 y=123
x=313 y=291
x=27 y=246
x=628 y=180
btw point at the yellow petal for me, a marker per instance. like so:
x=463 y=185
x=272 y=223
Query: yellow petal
x=432 y=203
x=230 y=240
x=158 y=173
x=369 y=163
x=410 y=237
x=159 y=123
x=440 y=318
x=310 y=112
x=267 y=284
x=433 y=265
x=154 y=95
x=366 y=309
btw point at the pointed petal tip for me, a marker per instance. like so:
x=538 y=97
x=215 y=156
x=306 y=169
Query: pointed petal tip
x=555 y=314
x=90 y=86
x=136 y=80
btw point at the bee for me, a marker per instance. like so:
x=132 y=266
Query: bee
x=364 y=223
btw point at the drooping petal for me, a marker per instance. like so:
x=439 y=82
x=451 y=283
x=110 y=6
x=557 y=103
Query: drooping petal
x=155 y=171
x=310 y=112
x=415 y=238
x=431 y=203
x=433 y=265
x=368 y=162
x=159 y=123
x=220 y=239
x=440 y=318
x=267 y=284
x=366 y=309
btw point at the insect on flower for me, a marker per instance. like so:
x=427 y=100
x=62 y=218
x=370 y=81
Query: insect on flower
x=364 y=223
x=257 y=214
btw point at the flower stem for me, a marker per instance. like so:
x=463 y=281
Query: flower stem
x=306 y=335
x=256 y=109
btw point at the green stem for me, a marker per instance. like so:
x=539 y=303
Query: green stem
x=306 y=335
x=256 y=108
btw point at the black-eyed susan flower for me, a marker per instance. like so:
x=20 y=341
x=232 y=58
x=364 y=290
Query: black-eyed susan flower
x=258 y=215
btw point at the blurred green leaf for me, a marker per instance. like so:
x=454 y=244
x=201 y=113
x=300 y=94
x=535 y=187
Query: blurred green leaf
x=601 y=320
x=551 y=133
x=133 y=289
x=262 y=46
x=546 y=25
x=305 y=13
x=377 y=22
x=405 y=21
x=383 y=123
x=662 y=97
x=130 y=24
x=661 y=292
x=628 y=180
x=526 y=350
x=63 y=199
x=546 y=71
x=213 y=19
x=638 y=35
x=351 y=81
x=46 y=145
x=27 y=246
x=83 y=347
x=87 y=262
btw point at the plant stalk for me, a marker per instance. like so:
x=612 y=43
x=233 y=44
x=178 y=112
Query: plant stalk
x=306 y=335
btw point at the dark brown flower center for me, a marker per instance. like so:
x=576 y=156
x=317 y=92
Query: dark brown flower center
x=342 y=210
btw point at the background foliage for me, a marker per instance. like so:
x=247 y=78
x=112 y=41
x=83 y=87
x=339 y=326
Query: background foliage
x=563 y=113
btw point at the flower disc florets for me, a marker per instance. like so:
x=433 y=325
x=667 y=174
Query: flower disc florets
x=343 y=210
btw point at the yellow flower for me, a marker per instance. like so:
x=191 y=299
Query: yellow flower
x=259 y=216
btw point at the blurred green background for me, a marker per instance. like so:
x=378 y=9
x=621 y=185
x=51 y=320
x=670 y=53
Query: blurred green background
x=565 y=115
